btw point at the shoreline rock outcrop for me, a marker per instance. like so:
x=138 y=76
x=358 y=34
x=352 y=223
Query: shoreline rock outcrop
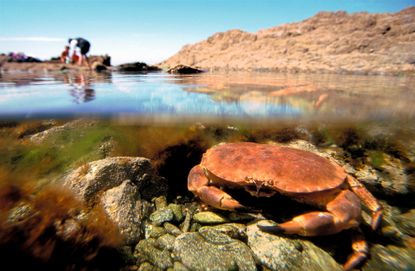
x=331 y=42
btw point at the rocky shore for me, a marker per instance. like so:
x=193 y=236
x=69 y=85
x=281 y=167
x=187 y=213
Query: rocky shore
x=329 y=42
x=161 y=226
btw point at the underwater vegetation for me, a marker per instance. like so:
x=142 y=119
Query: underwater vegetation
x=49 y=230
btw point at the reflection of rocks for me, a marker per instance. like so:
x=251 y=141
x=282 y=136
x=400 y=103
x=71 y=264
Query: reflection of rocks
x=121 y=184
x=182 y=69
x=281 y=253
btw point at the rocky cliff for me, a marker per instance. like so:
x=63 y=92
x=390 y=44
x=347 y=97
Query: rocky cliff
x=327 y=42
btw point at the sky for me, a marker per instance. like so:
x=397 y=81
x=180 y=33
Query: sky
x=152 y=30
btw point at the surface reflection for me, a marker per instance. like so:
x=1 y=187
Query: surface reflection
x=235 y=95
x=81 y=90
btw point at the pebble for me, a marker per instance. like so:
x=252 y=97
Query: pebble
x=209 y=218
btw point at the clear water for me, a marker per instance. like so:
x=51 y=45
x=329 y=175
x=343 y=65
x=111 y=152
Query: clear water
x=216 y=96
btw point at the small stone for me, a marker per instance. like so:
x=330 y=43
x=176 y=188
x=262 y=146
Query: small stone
x=170 y=228
x=178 y=266
x=166 y=242
x=177 y=211
x=195 y=227
x=209 y=218
x=233 y=230
x=238 y=217
x=146 y=266
x=152 y=231
x=160 y=258
x=160 y=202
x=161 y=216
x=187 y=221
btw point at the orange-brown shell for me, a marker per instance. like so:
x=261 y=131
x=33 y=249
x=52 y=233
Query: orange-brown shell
x=284 y=169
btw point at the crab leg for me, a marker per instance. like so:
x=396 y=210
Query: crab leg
x=360 y=251
x=343 y=212
x=368 y=199
x=198 y=184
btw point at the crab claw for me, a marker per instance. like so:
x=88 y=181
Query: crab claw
x=199 y=185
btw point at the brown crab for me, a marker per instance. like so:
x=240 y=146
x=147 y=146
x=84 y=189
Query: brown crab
x=264 y=170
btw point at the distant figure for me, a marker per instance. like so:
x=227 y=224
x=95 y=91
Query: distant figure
x=82 y=46
x=65 y=54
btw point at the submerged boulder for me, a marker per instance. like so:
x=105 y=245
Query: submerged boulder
x=123 y=186
x=212 y=250
x=281 y=253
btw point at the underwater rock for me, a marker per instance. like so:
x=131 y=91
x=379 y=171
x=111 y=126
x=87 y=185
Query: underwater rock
x=212 y=250
x=123 y=186
x=209 y=218
x=390 y=258
x=177 y=212
x=153 y=231
x=160 y=202
x=89 y=180
x=161 y=216
x=172 y=229
x=147 y=250
x=166 y=241
x=280 y=253
x=40 y=137
x=123 y=206
x=392 y=177
x=407 y=222
x=182 y=69
x=233 y=230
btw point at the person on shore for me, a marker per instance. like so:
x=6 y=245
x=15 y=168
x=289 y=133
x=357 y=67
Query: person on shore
x=65 y=54
x=81 y=46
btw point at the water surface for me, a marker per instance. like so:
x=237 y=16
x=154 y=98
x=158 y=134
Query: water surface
x=249 y=96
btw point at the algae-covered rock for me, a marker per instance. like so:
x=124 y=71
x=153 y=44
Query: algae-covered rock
x=177 y=212
x=209 y=218
x=172 y=229
x=146 y=249
x=161 y=216
x=282 y=253
x=390 y=258
x=233 y=230
x=153 y=231
x=212 y=250
x=166 y=241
